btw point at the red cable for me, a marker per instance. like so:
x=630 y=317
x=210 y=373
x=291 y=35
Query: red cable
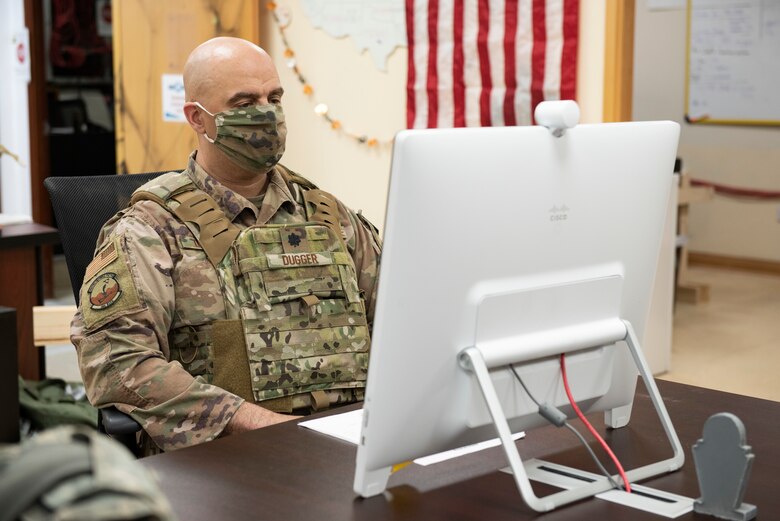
x=736 y=191
x=590 y=427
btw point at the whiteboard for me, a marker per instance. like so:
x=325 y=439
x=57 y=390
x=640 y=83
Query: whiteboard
x=733 y=71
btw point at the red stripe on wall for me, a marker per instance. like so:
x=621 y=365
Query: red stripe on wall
x=538 y=54
x=510 y=75
x=433 y=52
x=410 y=72
x=569 y=56
x=458 y=79
x=484 y=62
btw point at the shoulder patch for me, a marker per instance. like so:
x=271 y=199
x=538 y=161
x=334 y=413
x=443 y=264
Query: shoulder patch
x=104 y=257
x=109 y=289
x=104 y=291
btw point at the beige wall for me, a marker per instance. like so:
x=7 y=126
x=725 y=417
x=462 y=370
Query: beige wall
x=364 y=99
x=373 y=102
x=590 y=60
x=735 y=155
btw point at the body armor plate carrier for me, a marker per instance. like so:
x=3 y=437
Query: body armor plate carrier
x=296 y=324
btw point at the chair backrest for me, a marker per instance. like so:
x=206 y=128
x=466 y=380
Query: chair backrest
x=82 y=205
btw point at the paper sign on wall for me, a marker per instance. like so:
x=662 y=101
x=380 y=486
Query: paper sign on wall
x=21 y=43
x=173 y=98
x=103 y=17
x=666 y=5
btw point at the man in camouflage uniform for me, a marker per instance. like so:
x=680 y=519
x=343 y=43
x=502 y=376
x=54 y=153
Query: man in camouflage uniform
x=234 y=295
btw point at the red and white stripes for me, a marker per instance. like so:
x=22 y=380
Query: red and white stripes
x=488 y=62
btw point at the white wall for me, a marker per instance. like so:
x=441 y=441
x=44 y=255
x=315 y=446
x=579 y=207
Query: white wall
x=15 y=195
x=734 y=155
x=373 y=102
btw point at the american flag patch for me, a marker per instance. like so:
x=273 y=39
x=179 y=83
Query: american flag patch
x=104 y=257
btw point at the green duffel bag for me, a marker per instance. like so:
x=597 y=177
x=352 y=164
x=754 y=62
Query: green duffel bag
x=71 y=473
x=50 y=402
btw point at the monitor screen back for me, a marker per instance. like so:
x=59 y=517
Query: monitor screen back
x=478 y=213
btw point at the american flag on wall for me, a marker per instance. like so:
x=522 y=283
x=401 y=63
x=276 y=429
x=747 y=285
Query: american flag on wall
x=488 y=62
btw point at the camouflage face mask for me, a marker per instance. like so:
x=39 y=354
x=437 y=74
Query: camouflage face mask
x=252 y=137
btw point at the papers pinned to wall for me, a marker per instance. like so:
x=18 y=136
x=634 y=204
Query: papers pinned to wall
x=173 y=98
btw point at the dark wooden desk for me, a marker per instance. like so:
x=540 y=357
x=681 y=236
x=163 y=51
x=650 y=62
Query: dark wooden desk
x=288 y=472
x=21 y=286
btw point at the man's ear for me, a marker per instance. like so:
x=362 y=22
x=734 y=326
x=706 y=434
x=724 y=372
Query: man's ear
x=194 y=117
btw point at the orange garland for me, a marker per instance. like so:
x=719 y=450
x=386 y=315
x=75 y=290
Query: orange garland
x=321 y=109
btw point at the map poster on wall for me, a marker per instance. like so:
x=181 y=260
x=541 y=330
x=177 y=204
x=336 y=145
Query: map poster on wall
x=733 y=62
x=378 y=25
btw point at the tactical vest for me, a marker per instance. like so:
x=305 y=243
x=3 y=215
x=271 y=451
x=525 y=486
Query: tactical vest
x=295 y=324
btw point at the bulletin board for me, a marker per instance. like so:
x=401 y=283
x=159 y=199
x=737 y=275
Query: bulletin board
x=733 y=65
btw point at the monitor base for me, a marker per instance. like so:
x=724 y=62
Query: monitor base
x=648 y=499
x=475 y=361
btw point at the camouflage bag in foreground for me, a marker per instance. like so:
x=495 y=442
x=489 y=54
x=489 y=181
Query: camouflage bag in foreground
x=74 y=474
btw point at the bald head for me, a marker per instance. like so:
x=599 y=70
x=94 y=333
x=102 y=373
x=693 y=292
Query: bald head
x=219 y=57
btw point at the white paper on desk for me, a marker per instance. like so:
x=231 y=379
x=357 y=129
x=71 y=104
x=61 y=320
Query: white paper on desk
x=462 y=451
x=346 y=426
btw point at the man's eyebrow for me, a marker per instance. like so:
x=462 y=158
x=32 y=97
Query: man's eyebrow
x=252 y=96
x=239 y=96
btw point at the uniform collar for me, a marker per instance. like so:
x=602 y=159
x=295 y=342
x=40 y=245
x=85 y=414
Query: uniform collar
x=277 y=194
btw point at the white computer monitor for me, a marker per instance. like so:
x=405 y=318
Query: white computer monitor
x=497 y=236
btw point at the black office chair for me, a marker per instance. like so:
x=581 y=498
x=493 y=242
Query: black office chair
x=82 y=204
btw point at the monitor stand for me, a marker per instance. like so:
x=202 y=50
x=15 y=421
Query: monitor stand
x=479 y=359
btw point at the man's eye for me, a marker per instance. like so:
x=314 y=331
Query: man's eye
x=276 y=100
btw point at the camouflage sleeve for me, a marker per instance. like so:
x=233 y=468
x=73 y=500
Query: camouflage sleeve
x=365 y=245
x=121 y=335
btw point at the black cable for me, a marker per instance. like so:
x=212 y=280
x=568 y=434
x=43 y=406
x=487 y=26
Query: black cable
x=573 y=430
